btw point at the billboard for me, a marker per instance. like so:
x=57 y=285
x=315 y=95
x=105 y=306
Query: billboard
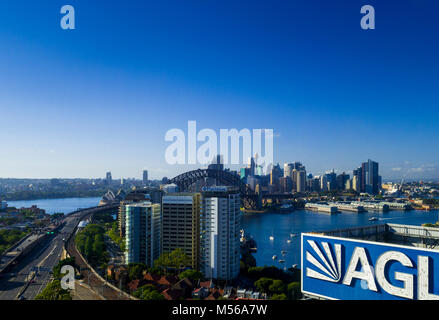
x=351 y=269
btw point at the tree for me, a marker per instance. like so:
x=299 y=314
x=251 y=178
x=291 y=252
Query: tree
x=135 y=270
x=293 y=290
x=148 y=292
x=281 y=296
x=57 y=269
x=191 y=274
x=153 y=295
x=53 y=291
x=263 y=284
x=88 y=249
x=175 y=260
x=277 y=286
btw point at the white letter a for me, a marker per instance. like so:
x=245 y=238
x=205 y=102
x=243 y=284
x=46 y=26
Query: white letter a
x=68 y=21
x=368 y=21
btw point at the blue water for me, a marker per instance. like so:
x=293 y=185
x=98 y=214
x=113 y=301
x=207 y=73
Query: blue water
x=262 y=225
x=65 y=205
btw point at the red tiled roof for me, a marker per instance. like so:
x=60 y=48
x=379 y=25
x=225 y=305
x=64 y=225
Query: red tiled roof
x=168 y=280
x=172 y=294
x=151 y=277
x=133 y=285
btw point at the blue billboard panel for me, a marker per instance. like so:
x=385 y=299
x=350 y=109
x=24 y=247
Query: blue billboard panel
x=350 y=269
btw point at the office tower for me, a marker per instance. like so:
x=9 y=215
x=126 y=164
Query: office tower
x=356 y=183
x=324 y=183
x=220 y=233
x=217 y=163
x=142 y=233
x=259 y=171
x=294 y=179
x=145 y=177
x=108 y=178
x=243 y=174
x=314 y=184
x=357 y=178
x=300 y=181
x=275 y=174
x=181 y=225
x=331 y=180
x=288 y=168
x=251 y=166
x=252 y=181
x=370 y=177
x=348 y=184
x=341 y=181
x=285 y=184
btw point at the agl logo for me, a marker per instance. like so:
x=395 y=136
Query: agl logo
x=329 y=262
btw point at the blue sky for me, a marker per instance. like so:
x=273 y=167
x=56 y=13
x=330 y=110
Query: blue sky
x=77 y=103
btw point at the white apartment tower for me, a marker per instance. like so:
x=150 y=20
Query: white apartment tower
x=220 y=233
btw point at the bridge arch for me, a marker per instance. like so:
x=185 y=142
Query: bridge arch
x=185 y=180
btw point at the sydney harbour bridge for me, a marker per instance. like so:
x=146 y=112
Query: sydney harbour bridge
x=185 y=181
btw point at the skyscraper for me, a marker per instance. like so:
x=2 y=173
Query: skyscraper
x=108 y=178
x=251 y=166
x=220 y=233
x=181 y=225
x=217 y=163
x=341 y=180
x=275 y=174
x=370 y=177
x=142 y=238
x=301 y=181
x=145 y=177
x=357 y=180
x=288 y=168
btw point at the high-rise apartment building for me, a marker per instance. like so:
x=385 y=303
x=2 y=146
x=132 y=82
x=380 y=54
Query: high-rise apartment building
x=220 y=233
x=142 y=232
x=181 y=225
x=153 y=195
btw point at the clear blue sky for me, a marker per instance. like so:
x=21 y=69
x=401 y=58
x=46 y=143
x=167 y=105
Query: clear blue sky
x=78 y=103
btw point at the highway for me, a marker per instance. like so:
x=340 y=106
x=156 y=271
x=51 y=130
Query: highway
x=40 y=262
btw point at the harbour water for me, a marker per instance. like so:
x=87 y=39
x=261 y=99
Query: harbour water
x=280 y=225
x=65 y=205
x=263 y=225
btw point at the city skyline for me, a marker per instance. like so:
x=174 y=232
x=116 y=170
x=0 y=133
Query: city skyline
x=78 y=103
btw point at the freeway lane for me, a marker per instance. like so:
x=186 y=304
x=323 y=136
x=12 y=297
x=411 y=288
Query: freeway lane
x=42 y=259
x=45 y=256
